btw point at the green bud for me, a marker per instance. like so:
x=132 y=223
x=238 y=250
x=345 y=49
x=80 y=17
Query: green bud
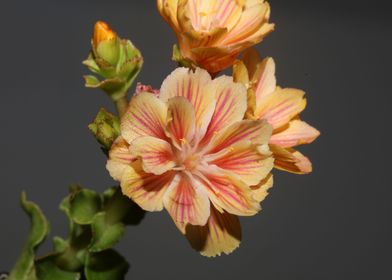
x=106 y=128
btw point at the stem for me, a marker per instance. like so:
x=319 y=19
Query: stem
x=122 y=105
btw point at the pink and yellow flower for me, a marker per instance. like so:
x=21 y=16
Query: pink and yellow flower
x=190 y=151
x=280 y=107
x=211 y=33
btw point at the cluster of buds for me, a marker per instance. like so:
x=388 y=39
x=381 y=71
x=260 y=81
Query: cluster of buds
x=115 y=60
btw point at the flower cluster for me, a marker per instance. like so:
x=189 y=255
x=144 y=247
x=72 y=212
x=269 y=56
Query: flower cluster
x=203 y=146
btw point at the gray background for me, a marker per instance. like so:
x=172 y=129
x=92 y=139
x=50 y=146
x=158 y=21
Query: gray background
x=333 y=224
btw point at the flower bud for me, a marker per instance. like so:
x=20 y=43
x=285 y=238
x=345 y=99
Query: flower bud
x=106 y=128
x=117 y=61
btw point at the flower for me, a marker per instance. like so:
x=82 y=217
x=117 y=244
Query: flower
x=212 y=33
x=190 y=151
x=280 y=107
x=116 y=61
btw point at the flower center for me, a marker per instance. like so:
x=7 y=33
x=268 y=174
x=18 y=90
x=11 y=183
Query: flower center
x=187 y=158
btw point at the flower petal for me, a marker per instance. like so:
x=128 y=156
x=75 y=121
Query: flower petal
x=168 y=10
x=222 y=234
x=227 y=192
x=119 y=158
x=257 y=132
x=297 y=133
x=181 y=120
x=146 y=116
x=265 y=81
x=250 y=162
x=193 y=86
x=260 y=192
x=230 y=106
x=290 y=160
x=282 y=106
x=146 y=189
x=187 y=202
x=156 y=155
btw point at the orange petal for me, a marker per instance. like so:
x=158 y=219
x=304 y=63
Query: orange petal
x=146 y=189
x=181 y=120
x=230 y=106
x=281 y=106
x=227 y=192
x=193 y=86
x=290 y=160
x=245 y=160
x=297 y=133
x=222 y=234
x=251 y=59
x=156 y=155
x=187 y=202
x=146 y=116
x=257 y=132
x=119 y=158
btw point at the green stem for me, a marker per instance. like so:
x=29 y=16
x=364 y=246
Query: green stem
x=122 y=105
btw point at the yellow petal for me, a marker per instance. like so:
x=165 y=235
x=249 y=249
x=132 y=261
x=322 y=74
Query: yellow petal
x=102 y=32
x=193 y=86
x=146 y=189
x=257 y=132
x=264 y=82
x=290 y=160
x=260 y=192
x=245 y=160
x=240 y=73
x=222 y=234
x=251 y=59
x=227 y=192
x=168 y=10
x=181 y=120
x=146 y=116
x=230 y=106
x=187 y=202
x=282 y=106
x=156 y=155
x=119 y=158
x=297 y=133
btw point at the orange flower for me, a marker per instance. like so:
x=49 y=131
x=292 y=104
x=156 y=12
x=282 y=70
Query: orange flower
x=102 y=32
x=189 y=151
x=280 y=107
x=211 y=33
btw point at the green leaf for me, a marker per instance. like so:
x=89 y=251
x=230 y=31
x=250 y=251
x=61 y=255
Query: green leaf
x=105 y=234
x=106 y=265
x=24 y=268
x=84 y=205
x=48 y=270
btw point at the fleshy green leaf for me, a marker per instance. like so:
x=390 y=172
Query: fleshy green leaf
x=106 y=265
x=24 y=268
x=105 y=234
x=48 y=270
x=84 y=205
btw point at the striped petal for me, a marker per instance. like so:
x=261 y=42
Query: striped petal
x=257 y=132
x=146 y=116
x=227 y=192
x=230 y=105
x=181 y=120
x=290 y=160
x=146 y=189
x=282 y=106
x=222 y=234
x=119 y=158
x=265 y=81
x=250 y=162
x=187 y=202
x=156 y=155
x=193 y=86
x=297 y=133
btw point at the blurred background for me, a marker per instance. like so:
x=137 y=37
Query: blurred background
x=333 y=224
